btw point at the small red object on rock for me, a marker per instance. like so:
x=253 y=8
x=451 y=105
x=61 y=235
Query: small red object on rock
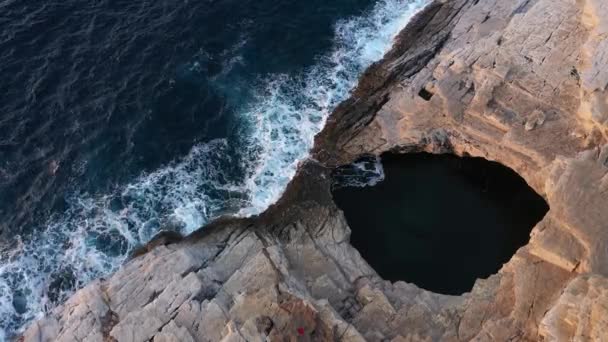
x=301 y=331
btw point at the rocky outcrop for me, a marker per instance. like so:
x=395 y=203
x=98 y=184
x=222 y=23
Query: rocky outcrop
x=521 y=82
x=580 y=313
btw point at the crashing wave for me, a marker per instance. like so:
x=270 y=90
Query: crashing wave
x=367 y=171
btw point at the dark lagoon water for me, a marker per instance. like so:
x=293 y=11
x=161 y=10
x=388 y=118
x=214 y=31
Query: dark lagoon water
x=122 y=118
x=438 y=221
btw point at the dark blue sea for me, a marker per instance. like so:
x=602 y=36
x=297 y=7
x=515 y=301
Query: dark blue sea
x=119 y=119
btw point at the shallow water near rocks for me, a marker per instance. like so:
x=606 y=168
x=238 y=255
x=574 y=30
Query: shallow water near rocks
x=440 y=221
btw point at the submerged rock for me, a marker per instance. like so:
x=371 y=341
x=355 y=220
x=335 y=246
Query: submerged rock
x=464 y=77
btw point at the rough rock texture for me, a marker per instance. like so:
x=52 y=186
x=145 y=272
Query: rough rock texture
x=522 y=82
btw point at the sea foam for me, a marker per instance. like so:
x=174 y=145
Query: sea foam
x=96 y=233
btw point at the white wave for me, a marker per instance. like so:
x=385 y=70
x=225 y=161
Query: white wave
x=94 y=236
x=367 y=171
x=292 y=110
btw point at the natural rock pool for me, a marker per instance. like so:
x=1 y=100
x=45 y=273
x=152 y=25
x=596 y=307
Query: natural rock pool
x=440 y=221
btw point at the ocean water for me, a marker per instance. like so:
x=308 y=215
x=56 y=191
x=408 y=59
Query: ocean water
x=119 y=119
x=438 y=221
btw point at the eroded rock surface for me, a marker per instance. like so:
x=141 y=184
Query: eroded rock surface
x=522 y=82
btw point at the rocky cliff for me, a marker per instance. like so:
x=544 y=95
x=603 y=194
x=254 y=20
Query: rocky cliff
x=521 y=82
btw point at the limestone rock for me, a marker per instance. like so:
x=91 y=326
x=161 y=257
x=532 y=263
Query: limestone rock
x=580 y=313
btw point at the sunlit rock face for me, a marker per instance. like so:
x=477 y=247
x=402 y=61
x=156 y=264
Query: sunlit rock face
x=440 y=221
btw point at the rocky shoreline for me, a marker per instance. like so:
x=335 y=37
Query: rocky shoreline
x=521 y=82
